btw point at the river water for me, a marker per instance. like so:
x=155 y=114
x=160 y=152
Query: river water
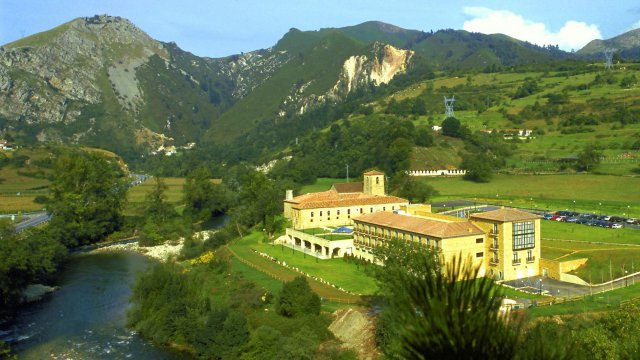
x=86 y=317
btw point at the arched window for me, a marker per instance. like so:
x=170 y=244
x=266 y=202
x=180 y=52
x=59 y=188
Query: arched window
x=377 y=180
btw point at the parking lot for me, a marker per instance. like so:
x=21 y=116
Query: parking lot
x=604 y=221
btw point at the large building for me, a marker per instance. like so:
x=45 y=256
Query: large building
x=340 y=204
x=504 y=243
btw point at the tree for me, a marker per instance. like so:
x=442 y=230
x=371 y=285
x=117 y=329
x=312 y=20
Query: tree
x=202 y=198
x=423 y=137
x=24 y=259
x=88 y=193
x=588 y=158
x=412 y=189
x=440 y=311
x=156 y=206
x=451 y=127
x=478 y=167
x=296 y=298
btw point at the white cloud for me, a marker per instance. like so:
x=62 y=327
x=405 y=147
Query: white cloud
x=573 y=35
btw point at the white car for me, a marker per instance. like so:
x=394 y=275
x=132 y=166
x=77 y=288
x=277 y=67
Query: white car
x=616 y=226
x=631 y=221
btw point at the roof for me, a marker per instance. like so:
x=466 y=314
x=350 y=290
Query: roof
x=332 y=199
x=352 y=187
x=418 y=225
x=506 y=215
x=374 y=172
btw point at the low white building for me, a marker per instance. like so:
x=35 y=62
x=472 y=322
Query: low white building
x=440 y=172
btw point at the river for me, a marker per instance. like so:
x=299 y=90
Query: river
x=86 y=317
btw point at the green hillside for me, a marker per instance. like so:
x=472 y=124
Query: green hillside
x=314 y=70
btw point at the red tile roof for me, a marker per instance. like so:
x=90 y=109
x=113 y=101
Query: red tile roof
x=353 y=187
x=506 y=215
x=417 y=225
x=331 y=199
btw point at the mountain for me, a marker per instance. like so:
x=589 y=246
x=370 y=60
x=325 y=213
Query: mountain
x=101 y=81
x=626 y=45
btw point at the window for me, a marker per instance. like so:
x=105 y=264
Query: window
x=312 y=214
x=361 y=211
x=377 y=180
x=370 y=209
x=515 y=257
x=495 y=228
x=384 y=208
x=338 y=212
x=348 y=211
x=479 y=254
x=529 y=255
x=328 y=212
x=479 y=240
x=523 y=235
x=320 y=213
x=393 y=208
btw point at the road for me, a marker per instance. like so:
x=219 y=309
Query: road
x=38 y=218
x=32 y=220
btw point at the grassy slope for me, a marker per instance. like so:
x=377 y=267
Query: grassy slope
x=553 y=144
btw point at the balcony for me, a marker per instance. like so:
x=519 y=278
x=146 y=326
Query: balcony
x=493 y=262
x=494 y=247
x=531 y=259
x=517 y=261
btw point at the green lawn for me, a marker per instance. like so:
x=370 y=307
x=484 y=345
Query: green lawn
x=342 y=274
x=567 y=231
x=604 y=194
x=321 y=184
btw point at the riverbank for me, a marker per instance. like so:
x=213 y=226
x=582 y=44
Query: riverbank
x=163 y=252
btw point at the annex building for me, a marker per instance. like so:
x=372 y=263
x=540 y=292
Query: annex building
x=504 y=243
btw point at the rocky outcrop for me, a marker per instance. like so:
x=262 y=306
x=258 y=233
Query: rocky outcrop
x=49 y=77
x=379 y=68
x=358 y=72
x=250 y=70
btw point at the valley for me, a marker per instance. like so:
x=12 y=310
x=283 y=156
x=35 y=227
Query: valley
x=118 y=136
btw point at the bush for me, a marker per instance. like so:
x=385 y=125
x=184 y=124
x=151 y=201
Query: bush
x=296 y=298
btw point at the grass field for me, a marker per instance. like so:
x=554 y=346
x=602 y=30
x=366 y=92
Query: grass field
x=604 y=194
x=599 y=245
x=321 y=184
x=136 y=194
x=348 y=276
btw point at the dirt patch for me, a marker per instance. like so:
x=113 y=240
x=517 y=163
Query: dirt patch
x=356 y=330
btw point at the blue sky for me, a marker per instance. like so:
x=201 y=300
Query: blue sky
x=218 y=28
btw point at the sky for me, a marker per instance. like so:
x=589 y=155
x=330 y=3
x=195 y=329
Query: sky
x=217 y=28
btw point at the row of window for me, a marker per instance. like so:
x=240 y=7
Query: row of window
x=516 y=257
x=384 y=208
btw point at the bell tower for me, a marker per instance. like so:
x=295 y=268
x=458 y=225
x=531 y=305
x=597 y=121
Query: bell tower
x=374 y=183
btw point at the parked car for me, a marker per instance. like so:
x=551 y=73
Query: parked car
x=616 y=226
x=547 y=216
x=572 y=219
x=606 y=217
x=632 y=221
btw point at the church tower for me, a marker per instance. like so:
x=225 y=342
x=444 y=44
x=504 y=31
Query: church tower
x=374 y=183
